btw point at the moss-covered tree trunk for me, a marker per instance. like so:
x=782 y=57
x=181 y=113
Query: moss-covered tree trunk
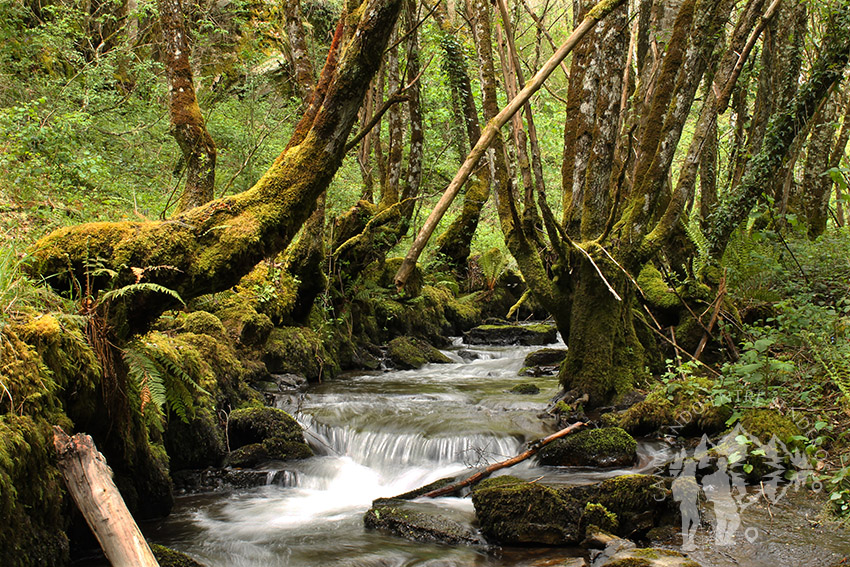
x=817 y=185
x=187 y=123
x=605 y=356
x=209 y=248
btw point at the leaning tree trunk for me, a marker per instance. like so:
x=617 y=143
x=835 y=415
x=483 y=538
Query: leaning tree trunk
x=209 y=248
x=817 y=185
x=187 y=123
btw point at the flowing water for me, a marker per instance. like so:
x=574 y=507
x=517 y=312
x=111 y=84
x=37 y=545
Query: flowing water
x=378 y=435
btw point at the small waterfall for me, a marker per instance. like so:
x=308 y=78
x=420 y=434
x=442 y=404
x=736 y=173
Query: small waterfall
x=282 y=478
x=384 y=450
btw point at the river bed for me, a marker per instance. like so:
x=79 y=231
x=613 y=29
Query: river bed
x=379 y=434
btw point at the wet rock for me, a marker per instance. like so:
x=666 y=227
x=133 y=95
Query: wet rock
x=468 y=355
x=536 y=334
x=645 y=557
x=167 y=557
x=281 y=383
x=419 y=522
x=195 y=444
x=262 y=434
x=221 y=479
x=682 y=406
x=409 y=353
x=512 y=512
x=605 y=447
x=525 y=389
x=545 y=357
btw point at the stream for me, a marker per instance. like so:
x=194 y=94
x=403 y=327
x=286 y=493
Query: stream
x=379 y=434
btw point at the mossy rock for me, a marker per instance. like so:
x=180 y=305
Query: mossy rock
x=528 y=335
x=648 y=557
x=272 y=449
x=512 y=512
x=410 y=353
x=598 y=516
x=765 y=424
x=419 y=522
x=297 y=350
x=605 y=447
x=203 y=323
x=689 y=412
x=639 y=502
x=195 y=445
x=254 y=425
x=525 y=389
x=243 y=322
x=545 y=357
x=167 y=557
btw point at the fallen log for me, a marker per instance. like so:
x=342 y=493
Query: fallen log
x=89 y=480
x=490 y=469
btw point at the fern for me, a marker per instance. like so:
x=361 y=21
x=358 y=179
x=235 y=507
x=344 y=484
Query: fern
x=834 y=360
x=159 y=376
x=493 y=264
x=140 y=287
x=694 y=232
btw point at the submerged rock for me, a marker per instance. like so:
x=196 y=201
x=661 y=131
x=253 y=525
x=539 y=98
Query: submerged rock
x=529 y=335
x=525 y=389
x=222 y=479
x=512 y=512
x=605 y=447
x=645 y=557
x=409 y=353
x=419 y=522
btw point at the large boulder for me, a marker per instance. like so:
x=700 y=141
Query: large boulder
x=410 y=353
x=529 y=335
x=264 y=434
x=419 y=521
x=605 y=447
x=513 y=512
x=543 y=362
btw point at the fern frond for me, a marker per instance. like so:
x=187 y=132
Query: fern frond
x=140 y=287
x=694 y=232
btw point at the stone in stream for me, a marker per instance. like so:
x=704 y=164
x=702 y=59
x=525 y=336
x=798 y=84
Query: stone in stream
x=410 y=353
x=605 y=447
x=419 y=521
x=167 y=557
x=264 y=434
x=511 y=511
x=529 y=335
x=543 y=362
x=645 y=557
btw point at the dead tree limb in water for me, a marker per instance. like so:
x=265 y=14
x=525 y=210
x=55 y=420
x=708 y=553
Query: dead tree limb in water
x=209 y=248
x=487 y=471
x=89 y=480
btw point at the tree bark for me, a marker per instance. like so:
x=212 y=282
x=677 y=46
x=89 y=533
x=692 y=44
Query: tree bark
x=187 y=123
x=817 y=184
x=89 y=481
x=299 y=55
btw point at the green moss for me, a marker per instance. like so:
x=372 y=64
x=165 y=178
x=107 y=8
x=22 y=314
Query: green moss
x=606 y=447
x=253 y=425
x=512 y=512
x=32 y=493
x=297 y=350
x=410 y=353
x=597 y=515
x=243 y=322
x=684 y=406
x=764 y=424
x=656 y=291
x=203 y=323
x=525 y=389
x=167 y=557
x=638 y=501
